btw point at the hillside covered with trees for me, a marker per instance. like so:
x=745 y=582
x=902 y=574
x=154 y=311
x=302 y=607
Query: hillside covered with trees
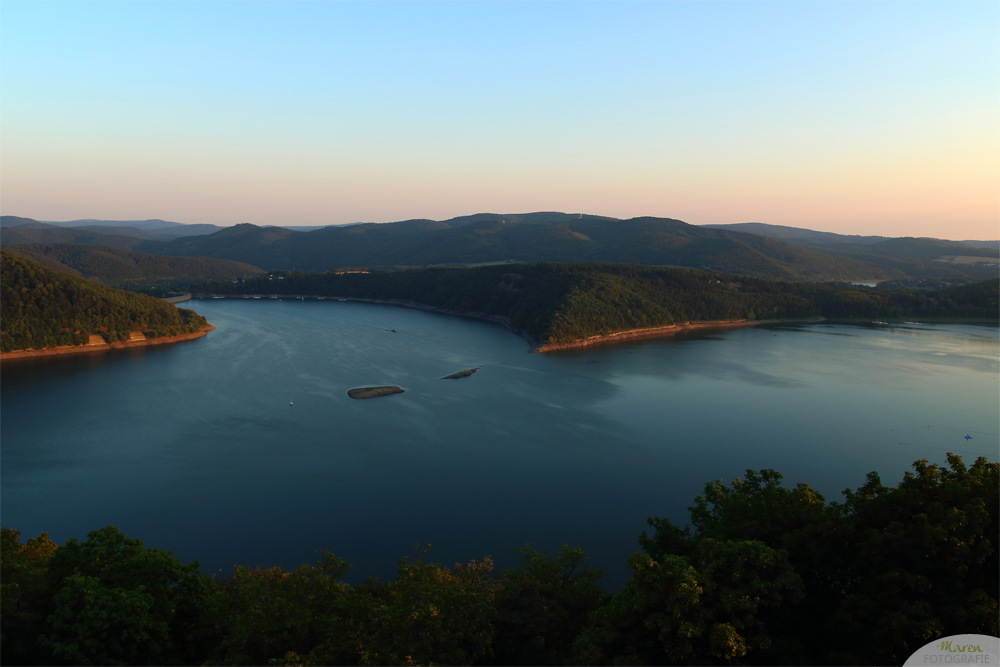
x=753 y=249
x=40 y=308
x=534 y=237
x=764 y=574
x=119 y=268
x=559 y=303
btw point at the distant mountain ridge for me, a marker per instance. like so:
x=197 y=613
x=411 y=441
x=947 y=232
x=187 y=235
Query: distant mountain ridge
x=801 y=235
x=119 y=267
x=755 y=249
x=534 y=237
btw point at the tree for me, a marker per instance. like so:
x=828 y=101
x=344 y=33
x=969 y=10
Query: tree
x=544 y=604
x=23 y=595
x=117 y=603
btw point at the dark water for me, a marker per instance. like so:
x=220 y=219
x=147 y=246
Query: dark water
x=195 y=448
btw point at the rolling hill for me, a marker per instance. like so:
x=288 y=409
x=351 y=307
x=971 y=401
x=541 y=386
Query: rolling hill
x=535 y=237
x=754 y=249
x=118 y=267
x=917 y=257
x=40 y=308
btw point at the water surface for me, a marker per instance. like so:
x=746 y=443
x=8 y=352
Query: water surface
x=194 y=447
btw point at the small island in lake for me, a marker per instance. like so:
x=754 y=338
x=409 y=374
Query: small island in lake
x=461 y=374
x=373 y=392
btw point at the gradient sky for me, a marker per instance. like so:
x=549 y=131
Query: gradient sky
x=851 y=117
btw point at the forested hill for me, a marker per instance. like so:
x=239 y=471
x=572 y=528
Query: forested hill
x=40 y=308
x=119 y=267
x=558 y=303
x=538 y=237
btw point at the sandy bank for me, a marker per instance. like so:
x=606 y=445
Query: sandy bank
x=652 y=332
x=63 y=350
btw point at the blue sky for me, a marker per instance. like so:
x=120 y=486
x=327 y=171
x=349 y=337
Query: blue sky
x=856 y=117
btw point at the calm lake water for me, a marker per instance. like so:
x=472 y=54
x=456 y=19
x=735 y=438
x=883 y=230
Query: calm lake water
x=194 y=447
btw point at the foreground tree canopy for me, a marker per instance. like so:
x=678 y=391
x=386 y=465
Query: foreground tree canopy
x=40 y=307
x=765 y=574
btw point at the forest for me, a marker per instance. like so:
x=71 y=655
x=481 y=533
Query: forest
x=125 y=268
x=40 y=307
x=764 y=574
x=558 y=303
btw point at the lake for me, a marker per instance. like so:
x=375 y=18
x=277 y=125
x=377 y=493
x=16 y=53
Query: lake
x=194 y=447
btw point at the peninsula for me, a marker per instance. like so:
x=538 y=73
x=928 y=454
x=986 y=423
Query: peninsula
x=562 y=306
x=47 y=313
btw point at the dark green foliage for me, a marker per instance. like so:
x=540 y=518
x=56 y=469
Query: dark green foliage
x=106 y=601
x=270 y=613
x=558 y=303
x=119 y=268
x=884 y=573
x=917 y=561
x=24 y=596
x=702 y=608
x=42 y=308
x=430 y=614
x=543 y=605
x=765 y=575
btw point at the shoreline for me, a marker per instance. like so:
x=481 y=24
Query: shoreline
x=496 y=319
x=537 y=347
x=653 y=332
x=67 y=350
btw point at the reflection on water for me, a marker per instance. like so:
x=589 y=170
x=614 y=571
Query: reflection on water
x=194 y=447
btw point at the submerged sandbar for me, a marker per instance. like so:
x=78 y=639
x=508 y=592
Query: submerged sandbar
x=461 y=374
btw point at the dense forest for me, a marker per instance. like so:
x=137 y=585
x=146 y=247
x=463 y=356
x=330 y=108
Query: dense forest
x=764 y=574
x=122 y=268
x=557 y=303
x=40 y=307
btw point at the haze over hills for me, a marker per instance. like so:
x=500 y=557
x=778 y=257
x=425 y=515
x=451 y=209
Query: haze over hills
x=917 y=257
x=811 y=237
x=753 y=249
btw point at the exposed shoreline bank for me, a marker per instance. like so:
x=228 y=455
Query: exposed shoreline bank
x=651 y=332
x=65 y=350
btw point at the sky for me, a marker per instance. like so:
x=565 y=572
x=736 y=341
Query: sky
x=850 y=117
